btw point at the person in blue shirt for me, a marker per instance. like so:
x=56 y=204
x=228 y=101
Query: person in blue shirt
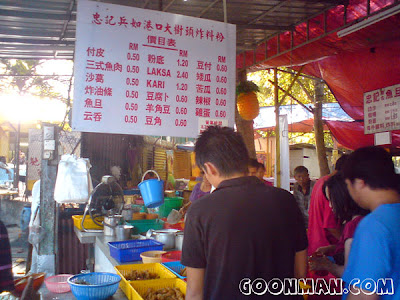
x=373 y=269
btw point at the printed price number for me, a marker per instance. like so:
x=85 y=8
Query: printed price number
x=220 y=114
x=180 y=123
x=221 y=79
x=220 y=102
x=133 y=56
x=182 y=62
x=132 y=94
x=132 y=81
x=181 y=99
x=132 y=69
x=131 y=106
x=131 y=119
x=181 y=111
x=182 y=86
x=222 y=68
x=184 y=75
x=220 y=91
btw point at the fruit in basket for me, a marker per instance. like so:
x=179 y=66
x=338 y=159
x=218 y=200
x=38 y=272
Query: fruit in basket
x=164 y=293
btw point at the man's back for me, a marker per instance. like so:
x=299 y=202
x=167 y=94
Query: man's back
x=244 y=229
x=375 y=251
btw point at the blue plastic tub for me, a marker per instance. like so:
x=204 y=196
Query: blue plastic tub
x=127 y=251
x=175 y=267
x=99 y=286
x=152 y=191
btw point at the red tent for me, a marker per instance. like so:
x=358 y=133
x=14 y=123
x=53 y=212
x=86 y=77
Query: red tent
x=351 y=64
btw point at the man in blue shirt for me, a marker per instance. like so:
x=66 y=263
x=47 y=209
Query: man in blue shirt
x=373 y=269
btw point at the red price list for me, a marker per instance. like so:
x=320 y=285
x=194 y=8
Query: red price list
x=221 y=89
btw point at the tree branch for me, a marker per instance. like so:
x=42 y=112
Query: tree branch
x=309 y=96
x=291 y=96
x=291 y=84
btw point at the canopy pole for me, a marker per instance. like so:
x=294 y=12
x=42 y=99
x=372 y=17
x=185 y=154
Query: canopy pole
x=225 y=12
x=277 y=132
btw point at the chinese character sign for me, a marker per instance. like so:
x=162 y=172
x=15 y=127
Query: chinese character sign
x=146 y=72
x=34 y=161
x=381 y=110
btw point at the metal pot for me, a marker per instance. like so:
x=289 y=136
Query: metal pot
x=179 y=240
x=165 y=236
x=110 y=222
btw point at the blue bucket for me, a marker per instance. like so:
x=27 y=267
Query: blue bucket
x=152 y=191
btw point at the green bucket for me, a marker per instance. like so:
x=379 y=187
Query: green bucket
x=140 y=226
x=170 y=203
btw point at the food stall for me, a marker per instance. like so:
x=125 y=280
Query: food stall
x=164 y=82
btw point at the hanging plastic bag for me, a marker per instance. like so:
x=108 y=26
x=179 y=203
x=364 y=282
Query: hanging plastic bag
x=36 y=232
x=73 y=184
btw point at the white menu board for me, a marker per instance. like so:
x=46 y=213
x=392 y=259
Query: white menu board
x=381 y=109
x=146 y=72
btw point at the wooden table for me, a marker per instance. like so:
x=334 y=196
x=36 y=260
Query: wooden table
x=6 y=193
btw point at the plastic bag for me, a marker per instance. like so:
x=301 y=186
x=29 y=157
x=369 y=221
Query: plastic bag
x=73 y=183
x=36 y=232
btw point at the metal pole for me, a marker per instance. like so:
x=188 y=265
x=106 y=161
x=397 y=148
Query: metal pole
x=277 y=132
x=16 y=158
x=225 y=12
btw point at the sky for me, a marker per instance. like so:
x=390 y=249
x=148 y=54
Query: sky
x=30 y=109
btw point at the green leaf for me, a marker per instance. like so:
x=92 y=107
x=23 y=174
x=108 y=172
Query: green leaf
x=246 y=87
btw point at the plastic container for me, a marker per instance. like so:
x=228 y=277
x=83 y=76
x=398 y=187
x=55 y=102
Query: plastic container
x=170 y=204
x=152 y=190
x=132 y=192
x=144 y=225
x=58 y=284
x=20 y=283
x=175 y=267
x=88 y=223
x=124 y=271
x=127 y=251
x=171 y=256
x=140 y=288
x=180 y=225
x=99 y=286
x=138 y=208
x=150 y=257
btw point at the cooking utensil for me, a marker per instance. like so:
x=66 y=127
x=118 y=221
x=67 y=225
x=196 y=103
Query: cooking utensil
x=110 y=223
x=174 y=217
x=123 y=232
x=165 y=236
x=179 y=240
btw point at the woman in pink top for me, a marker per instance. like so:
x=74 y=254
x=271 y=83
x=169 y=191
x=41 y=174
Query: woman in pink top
x=347 y=212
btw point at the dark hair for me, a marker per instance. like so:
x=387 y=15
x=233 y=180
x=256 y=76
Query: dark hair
x=373 y=165
x=261 y=166
x=253 y=163
x=3 y=159
x=343 y=205
x=300 y=169
x=224 y=148
x=341 y=162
